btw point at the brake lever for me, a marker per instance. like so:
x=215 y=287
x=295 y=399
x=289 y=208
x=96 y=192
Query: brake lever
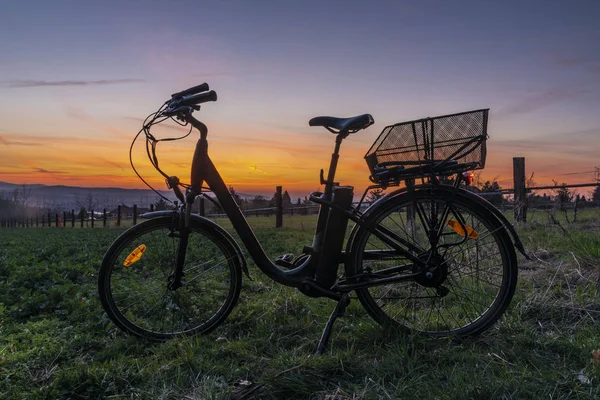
x=173 y=183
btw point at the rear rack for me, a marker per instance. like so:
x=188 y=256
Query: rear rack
x=446 y=144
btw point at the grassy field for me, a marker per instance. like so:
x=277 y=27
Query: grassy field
x=56 y=342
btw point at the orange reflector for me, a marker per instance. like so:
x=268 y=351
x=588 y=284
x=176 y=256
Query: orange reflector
x=456 y=227
x=135 y=255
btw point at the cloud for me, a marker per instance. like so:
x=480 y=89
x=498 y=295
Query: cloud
x=550 y=147
x=45 y=171
x=37 y=140
x=40 y=83
x=114 y=164
x=587 y=61
x=9 y=141
x=539 y=100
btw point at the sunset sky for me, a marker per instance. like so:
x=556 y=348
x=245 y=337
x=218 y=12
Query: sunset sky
x=78 y=77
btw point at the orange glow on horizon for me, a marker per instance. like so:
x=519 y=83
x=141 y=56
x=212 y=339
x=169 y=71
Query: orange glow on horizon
x=254 y=163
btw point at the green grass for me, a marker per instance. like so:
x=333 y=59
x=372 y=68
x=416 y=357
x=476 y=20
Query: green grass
x=56 y=342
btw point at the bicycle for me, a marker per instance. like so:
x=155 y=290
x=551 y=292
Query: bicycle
x=430 y=257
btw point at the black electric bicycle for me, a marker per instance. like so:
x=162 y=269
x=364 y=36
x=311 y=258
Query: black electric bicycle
x=430 y=257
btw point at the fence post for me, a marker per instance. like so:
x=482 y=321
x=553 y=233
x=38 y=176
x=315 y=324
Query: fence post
x=104 y=217
x=279 y=208
x=43 y=220
x=57 y=220
x=49 y=219
x=119 y=216
x=520 y=208
x=72 y=218
x=93 y=218
x=151 y=207
x=202 y=206
x=135 y=214
x=64 y=219
x=81 y=215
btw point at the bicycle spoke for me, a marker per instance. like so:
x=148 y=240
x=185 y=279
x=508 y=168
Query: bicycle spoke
x=471 y=271
x=138 y=295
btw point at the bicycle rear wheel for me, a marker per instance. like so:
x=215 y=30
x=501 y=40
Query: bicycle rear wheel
x=471 y=273
x=135 y=272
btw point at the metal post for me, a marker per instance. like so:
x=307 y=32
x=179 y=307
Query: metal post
x=279 y=208
x=520 y=207
x=135 y=214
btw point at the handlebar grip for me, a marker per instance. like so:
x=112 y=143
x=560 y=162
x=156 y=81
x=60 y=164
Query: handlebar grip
x=198 y=98
x=193 y=90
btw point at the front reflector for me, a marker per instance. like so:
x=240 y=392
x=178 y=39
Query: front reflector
x=135 y=255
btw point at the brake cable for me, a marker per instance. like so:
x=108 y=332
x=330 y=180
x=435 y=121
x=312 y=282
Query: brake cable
x=151 y=144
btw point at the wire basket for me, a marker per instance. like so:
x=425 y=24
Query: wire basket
x=453 y=142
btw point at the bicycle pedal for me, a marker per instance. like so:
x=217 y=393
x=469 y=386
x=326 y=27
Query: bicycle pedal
x=442 y=291
x=285 y=260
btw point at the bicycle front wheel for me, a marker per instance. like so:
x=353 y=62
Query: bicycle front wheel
x=136 y=270
x=471 y=269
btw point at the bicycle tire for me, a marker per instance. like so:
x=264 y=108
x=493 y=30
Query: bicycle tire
x=136 y=297
x=468 y=302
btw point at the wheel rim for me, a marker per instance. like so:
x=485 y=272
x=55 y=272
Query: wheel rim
x=139 y=292
x=466 y=273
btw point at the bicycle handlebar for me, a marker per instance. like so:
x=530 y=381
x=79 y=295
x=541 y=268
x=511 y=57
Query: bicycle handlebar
x=198 y=99
x=193 y=90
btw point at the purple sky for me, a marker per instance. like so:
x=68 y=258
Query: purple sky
x=78 y=75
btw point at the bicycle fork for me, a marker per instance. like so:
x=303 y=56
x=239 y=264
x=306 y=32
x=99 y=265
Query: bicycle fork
x=183 y=232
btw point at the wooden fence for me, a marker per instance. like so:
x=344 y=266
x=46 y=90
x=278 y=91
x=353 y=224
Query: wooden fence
x=64 y=219
x=105 y=219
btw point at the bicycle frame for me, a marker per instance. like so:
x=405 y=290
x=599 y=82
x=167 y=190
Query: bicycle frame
x=316 y=275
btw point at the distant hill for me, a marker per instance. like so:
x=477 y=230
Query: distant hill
x=67 y=197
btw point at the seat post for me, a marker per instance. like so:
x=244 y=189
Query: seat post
x=328 y=194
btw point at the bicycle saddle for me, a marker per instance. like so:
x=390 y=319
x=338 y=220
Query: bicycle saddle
x=350 y=125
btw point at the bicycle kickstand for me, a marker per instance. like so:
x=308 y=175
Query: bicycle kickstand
x=339 y=310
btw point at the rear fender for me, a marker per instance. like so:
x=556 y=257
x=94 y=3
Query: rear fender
x=498 y=214
x=450 y=189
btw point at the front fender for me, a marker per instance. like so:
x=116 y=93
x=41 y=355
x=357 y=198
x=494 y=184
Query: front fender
x=209 y=225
